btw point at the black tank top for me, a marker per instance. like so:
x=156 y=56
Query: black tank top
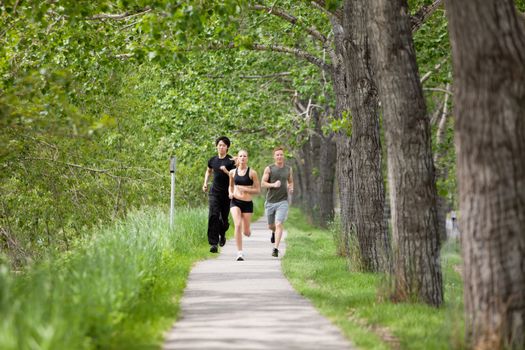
x=242 y=180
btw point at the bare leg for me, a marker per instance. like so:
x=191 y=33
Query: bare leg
x=246 y=219
x=278 y=234
x=237 y=221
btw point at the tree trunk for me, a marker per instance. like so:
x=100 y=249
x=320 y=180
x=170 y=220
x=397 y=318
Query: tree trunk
x=308 y=190
x=298 y=179
x=343 y=164
x=441 y=168
x=417 y=269
x=327 y=161
x=316 y=167
x=314 y=145
x=488 y=49
x=365 y=143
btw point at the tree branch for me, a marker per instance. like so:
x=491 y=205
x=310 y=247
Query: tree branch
x=297 y=53
x=259 y=47
x=293 y=20
x=266 y=76
x=124 y=56
x=417 y=20
x=93 y=170
x=84 y=168
x=439 y=90
x=250 y=131
x=321 y=5
x=440 y=134
x=436 y=68
x=276 y=75
x=125 y=15
x=16 y=6
x=129 y=25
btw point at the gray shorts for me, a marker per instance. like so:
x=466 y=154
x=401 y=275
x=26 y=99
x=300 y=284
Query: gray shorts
x=276 y=212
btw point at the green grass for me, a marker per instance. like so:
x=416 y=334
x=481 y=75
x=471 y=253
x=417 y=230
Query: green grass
x=119 y=289
x=354 y=301
x=258 y=208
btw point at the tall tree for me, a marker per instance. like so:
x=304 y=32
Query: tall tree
x=356 y=106
x=488 y=48
x=76 y=110
x=369 y=192
x=361 y=189
x=413 y=196
x=315 y=163
x=303 y=39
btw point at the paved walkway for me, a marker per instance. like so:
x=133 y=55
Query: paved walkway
x=248 y=304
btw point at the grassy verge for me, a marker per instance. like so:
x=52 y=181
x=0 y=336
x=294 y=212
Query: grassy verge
x=353 y=300
x=117 y=290
x=258 y=208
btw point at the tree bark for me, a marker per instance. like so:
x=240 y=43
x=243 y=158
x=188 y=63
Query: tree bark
x=442 y=169
x=299 y=183
x=488 y=49
x=411 y=178
x=343 y=164
x=316 y=164
x=369 y=192
x=327 y=161
x=312 y=149
x=304 y=173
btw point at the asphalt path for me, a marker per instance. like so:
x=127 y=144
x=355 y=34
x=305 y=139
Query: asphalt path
x=249 y=304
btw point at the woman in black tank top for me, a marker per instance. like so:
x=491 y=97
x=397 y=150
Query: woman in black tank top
x=243 y=184
x=244 y=180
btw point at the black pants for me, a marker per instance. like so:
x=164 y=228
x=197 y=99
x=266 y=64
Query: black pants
x=218 y=216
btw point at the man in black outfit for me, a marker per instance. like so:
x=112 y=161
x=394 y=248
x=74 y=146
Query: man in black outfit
x=218 y=198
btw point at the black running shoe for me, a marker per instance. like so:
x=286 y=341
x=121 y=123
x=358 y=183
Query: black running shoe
x=273 y=237
x=214 y=249
x=240 y=257
x=275 y=252
x=222 y=241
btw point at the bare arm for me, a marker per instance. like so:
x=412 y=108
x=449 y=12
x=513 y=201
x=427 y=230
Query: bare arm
x=265 y=178
x=230 y=187
x=206 y=178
